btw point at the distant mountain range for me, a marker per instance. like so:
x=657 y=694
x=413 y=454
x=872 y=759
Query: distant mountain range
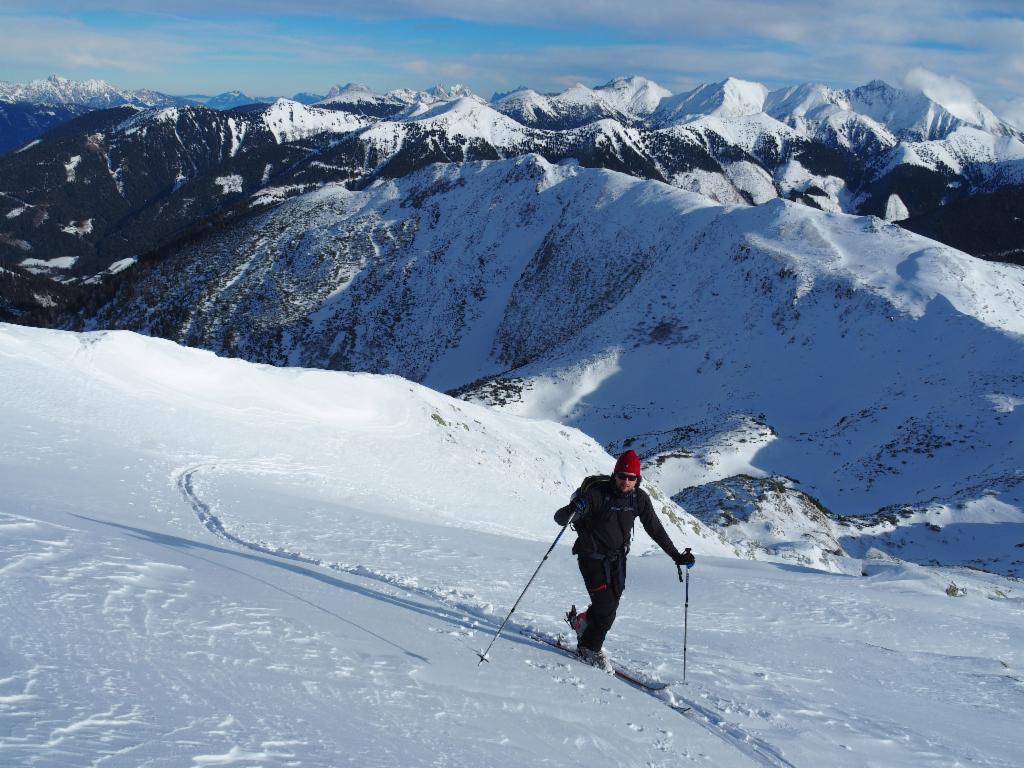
x=28 y=110
x=113 y=184
x=95 y=94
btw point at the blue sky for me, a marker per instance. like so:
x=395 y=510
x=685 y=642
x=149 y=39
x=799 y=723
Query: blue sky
x=270 y=48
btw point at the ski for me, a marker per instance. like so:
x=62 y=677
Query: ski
x=623 y=674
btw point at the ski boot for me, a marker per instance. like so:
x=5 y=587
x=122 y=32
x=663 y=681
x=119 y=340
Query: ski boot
x=595 y=659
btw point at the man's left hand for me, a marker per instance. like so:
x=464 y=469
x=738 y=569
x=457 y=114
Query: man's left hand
x=685 y=558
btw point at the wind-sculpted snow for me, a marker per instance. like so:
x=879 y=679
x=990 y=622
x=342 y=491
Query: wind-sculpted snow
x=208 y=562
x=626 y=308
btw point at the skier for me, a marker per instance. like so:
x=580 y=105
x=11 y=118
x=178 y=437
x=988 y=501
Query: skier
x=605 y=510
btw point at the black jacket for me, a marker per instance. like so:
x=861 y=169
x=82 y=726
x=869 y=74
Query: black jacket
x=605 y=529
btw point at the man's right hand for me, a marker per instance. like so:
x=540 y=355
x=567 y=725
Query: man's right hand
x=578 y=505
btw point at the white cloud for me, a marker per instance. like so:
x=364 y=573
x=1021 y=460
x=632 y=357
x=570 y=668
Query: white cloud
x=1013 y=113
x=57 y=44
x=954 y=95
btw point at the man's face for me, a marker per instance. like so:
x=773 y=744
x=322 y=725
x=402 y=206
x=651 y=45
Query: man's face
x=625 y=482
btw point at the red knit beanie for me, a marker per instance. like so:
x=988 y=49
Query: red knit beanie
x=629 y=463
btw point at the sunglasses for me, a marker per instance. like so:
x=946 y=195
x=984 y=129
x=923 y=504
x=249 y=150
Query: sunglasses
x=624 y=476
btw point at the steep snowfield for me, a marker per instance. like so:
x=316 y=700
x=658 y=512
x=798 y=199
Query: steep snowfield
x=980 y=156
x=207 y=562
x=470 y=119
x=727 y=99
x=291 y=121
x=633 y=95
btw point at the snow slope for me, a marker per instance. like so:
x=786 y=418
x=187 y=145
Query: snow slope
x=727 y=99
x=206 y=562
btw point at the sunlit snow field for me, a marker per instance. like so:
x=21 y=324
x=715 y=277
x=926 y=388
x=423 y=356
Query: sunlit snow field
x=206 y=562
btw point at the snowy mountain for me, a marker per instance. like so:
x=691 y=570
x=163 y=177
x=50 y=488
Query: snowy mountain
x=733 y=142
x=115 y=184
x=633 y=95
x=28 y=110
x=729 y=98
x=578 y=106
x=208 y=562
x=719 y=341
x=627 y=100
x=917 y=117
x=826 y=114
x=94 y=94
x=403 y=102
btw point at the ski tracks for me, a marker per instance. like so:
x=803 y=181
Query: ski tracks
x=474 y=617
x=758 y=750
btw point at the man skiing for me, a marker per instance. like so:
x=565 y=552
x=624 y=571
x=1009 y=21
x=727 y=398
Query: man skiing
x=603 y=511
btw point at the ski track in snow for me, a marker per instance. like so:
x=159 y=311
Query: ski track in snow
x=460 y=613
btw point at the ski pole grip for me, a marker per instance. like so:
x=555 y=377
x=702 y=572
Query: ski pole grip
x=679 y=568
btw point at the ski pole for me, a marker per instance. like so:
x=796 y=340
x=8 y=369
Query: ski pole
x=686 y=611
x=483 y=656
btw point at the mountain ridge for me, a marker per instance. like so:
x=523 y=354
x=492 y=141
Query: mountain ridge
x=851 y=164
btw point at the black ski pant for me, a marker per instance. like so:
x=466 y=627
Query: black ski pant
x=605 y=578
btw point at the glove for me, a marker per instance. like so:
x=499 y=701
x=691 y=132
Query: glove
x=685 y=558
x=578 y=505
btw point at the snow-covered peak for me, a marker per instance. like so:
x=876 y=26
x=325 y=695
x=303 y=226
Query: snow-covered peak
x=577 y=94
x=633 y=95
x=410 y=102
x=907 y=114
x=574 y=107
x=729 y=98
x=469 y=118
x=446 y=93
x=290 y=121
x=957 y=99
x=524 y=101
x=800 y=101
x=142 y=119
x=348 y=93
x=824 y=113
x=745 y=131
x=961 y=149
x=286 y=120
x=98 y=94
